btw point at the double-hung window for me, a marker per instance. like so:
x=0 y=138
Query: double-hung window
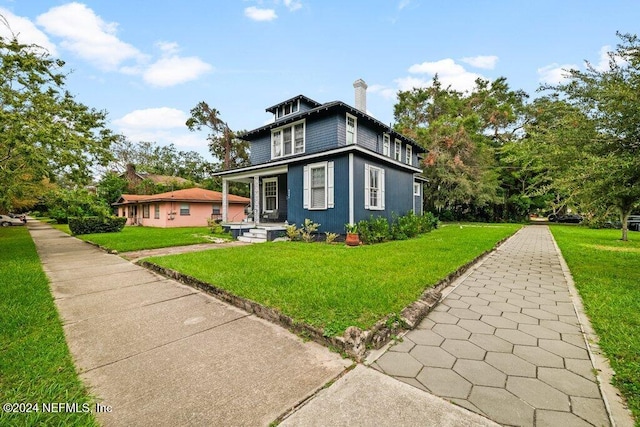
x=386 y=144
x=156 y=211
x=374 y=187
x=270 y=192
x=145 y=211
x=397 y=154
x=318 y=186
x=287 y=140
x=351 y=129
x=409 y=153
x=184 y=209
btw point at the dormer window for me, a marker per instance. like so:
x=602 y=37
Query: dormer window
x=351 y=129
x=288 y=108
x=287 y=140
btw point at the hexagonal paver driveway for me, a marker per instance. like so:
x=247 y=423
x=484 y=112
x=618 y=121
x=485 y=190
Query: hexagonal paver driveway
x=506 y=342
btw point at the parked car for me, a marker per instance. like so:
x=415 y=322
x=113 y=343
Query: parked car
x=633 y=222
x=6 y=220
x=567 y=218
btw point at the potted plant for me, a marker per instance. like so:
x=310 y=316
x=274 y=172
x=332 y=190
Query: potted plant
x=353 y=239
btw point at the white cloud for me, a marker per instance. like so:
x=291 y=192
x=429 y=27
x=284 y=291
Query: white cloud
x=173 y=70
x=449 y=73
x=25 y=31
x=87 y=35
x=384 y=91
x=485 y=62
x=554 y=73
x=257 y=14
x=293 y=5
x=162 y=125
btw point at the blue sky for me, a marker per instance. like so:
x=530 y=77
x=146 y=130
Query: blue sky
x=149 y=62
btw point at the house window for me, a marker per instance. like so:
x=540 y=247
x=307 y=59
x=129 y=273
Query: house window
x=374 y=187
x=351 y=129
x=398 y=150
x=270 y=194
x=145 y=211
x=318 y=186
x=130 y=211
x=386 y=144
x=416 y=189
x=184 y=209
x=156 y=211
x=287 y=140
x=409 y=153
x=288 y=108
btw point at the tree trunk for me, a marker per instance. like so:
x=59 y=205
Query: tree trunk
x=624 y=217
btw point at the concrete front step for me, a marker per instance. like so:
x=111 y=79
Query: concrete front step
x=249 y=239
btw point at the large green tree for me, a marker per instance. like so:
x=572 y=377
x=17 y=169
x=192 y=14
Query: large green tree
x=44 y=132
x=606 y=170
x=224 y=144
x=462 y=133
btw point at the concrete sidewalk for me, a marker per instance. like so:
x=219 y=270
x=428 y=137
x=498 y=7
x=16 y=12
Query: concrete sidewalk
x=162 y=354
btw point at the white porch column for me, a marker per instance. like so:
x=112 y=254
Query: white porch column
x=256 y=199
x=225 y=189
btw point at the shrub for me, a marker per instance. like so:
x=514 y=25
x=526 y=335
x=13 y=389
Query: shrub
x=293 y=232
x=330 y=237
x=93 y=224
x=215 y=226
x=308 y=229
x=374 y=230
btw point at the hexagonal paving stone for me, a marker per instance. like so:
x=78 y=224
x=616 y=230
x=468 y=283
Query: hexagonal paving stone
x=568 y=382
x=454 y=303
x=491 y=298
x=444 y=382
x=463 y=349
x=505 y=307
x=538 y=356
x=539 y=314
x=516 y=337
x=525 y=293
x=582 y=367
x=561 y=309
x=564 y=349
x=433 y=356
x=464 y=313
x=403 y=346
x=499 y=322
x=426 y=324
x=575 y=339
x=540 y=300
x=476 y=326
x=491 y=343
x=522 y=303
x=475 y=301
x=511 y=364
x=480 y=373
x=440 y=317
x=502 y=406
x=521 y=318
x=451 y=331
x=483 y=290
x=590 y=409
x=425 y=337
x=539 y=331
x=558 y=326
x=555 y=418
x=465 y=292
x=440 y=308
x=538 y=394
x=399 y=364
x=485 y=310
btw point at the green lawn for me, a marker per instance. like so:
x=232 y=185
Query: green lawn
x=134 y=238
x=606 y=271
x=35 y=365
x=335 y=286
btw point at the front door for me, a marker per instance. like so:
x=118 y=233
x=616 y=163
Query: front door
x=270 y=194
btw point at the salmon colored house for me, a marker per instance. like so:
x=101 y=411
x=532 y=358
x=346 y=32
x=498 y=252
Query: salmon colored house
x=181 y=208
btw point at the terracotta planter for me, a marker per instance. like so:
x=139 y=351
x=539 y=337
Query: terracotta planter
x=353 y=239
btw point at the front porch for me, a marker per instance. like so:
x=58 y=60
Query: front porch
x=269 y=196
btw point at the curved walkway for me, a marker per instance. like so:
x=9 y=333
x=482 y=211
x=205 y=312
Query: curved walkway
x=506 y=342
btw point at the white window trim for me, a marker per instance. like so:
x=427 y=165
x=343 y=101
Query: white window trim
x=329 y=202
x=408 y=154
x=355 y=129
x=397 y=150
x=386 y=145
x=264 y=195
x=293 y=139
x=416 y=189
x=367 y=188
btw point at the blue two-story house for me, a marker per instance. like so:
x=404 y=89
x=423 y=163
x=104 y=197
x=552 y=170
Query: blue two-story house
x=331 y=163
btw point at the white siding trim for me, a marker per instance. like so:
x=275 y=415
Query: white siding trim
x=367 y=185
x=351 y=195
x=330 y=195
x=305 y=185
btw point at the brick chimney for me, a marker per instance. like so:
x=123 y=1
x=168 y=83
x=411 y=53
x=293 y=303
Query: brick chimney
x=361 y=95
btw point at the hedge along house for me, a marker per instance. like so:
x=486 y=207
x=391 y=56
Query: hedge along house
x=192 y=207
x=331 y=163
